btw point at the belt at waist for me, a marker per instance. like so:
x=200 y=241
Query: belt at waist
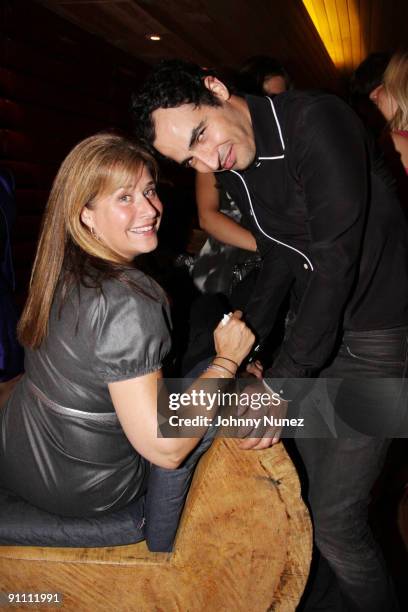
x=106 y=418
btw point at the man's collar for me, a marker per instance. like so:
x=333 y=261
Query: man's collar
x=265 y=124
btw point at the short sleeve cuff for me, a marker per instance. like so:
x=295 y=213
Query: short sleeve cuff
x=115 y=375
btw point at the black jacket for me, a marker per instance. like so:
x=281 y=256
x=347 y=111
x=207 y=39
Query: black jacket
x=328 y=225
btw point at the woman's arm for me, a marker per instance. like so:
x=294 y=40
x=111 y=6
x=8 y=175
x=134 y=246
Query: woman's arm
x=135 y=400
x=213 y=221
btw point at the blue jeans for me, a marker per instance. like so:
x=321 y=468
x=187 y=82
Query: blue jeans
x=341 y=471
x=167 y=490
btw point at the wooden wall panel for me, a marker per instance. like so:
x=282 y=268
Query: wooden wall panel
x=31 y=89
x=351 y=29
x=214 y=33
x=58 y=85
x=37 y=118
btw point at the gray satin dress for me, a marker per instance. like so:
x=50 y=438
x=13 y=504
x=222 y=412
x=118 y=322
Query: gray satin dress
x=62 y=447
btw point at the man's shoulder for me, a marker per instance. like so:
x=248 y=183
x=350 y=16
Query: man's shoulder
x=301 y=113
x=295 y=101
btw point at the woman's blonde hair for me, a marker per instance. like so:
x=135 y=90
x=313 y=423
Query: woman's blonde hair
x=102 y=162
x=396 y=85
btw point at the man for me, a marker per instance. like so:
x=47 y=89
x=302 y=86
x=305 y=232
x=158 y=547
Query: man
x=332 y=235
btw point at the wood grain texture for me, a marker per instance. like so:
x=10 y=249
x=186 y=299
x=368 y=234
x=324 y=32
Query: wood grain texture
x=244 y=543
x=212 y=33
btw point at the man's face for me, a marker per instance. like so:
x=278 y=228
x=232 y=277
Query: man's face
x=207 y=138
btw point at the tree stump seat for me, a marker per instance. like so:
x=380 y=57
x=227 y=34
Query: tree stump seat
x=244 y=544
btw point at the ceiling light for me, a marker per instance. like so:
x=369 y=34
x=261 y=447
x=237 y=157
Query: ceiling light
x=154 y=37
x=338 y=24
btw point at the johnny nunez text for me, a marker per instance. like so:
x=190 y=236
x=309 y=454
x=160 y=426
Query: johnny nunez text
x=231 y=421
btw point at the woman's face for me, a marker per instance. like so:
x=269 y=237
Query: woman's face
x=384 y=101
x=127 y=219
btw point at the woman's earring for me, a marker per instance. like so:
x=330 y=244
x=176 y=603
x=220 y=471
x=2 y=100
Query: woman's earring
x=94 y=234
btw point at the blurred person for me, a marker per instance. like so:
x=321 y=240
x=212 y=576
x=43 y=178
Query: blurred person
x=368 y=76
x=364 y=82
x=264 y=75
x=391 y=99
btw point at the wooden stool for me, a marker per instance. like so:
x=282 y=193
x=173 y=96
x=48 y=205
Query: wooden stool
x=244 y=544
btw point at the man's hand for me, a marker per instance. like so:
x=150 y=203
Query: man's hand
x=256 y=369
x=271 y=434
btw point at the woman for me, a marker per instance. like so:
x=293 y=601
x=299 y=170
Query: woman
x=391 y=98
x=80 y=429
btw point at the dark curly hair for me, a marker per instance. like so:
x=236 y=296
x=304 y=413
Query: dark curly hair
x=170 y=84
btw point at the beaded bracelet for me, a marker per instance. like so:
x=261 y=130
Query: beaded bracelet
x=227 y=359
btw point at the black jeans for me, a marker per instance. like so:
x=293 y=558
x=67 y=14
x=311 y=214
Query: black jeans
x=369 y=372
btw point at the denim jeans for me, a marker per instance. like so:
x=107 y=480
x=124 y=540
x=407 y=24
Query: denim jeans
x=167 y=490
x=368 y=372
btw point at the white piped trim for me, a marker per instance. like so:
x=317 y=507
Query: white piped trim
x=276 y=157
x=260 y=228
x=277 y=122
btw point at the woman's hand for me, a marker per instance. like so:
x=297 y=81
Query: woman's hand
x=233 y=339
